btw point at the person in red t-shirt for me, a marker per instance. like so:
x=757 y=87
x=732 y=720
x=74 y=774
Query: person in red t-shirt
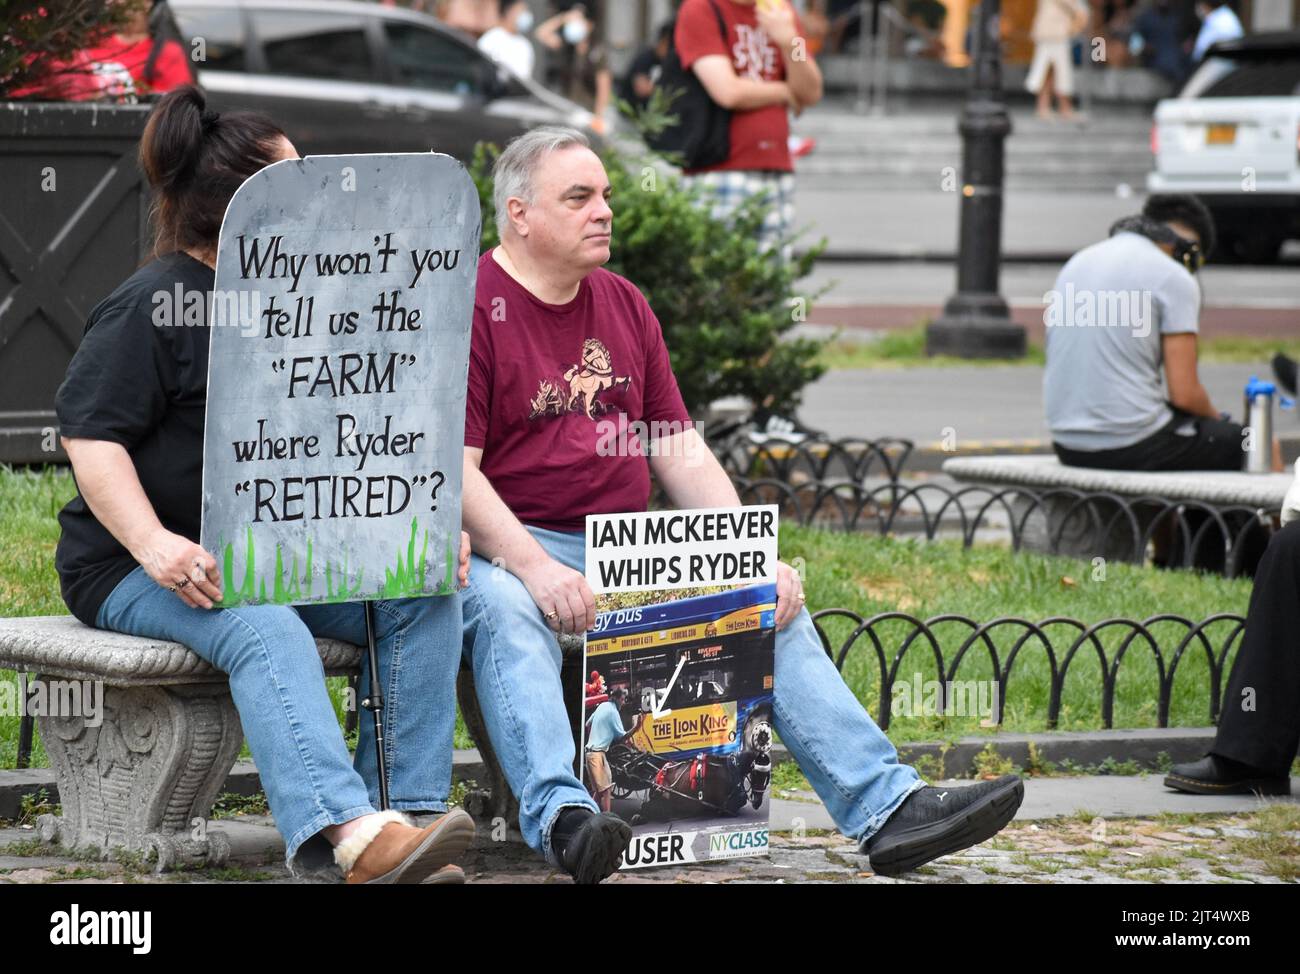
x=133 y=48
x=760 y=71
x=117 y=69
x=571 y=397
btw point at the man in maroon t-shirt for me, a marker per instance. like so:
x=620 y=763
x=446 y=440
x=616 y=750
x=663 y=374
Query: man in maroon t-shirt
x=760 y=70
x=571 y=402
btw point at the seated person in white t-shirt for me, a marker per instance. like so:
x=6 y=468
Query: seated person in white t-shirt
x=1122 y=312
x=507 y=43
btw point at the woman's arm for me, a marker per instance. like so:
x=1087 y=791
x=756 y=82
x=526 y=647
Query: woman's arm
x=802 y=75
x=604 y=88
x=108 y=481
x=548 y=31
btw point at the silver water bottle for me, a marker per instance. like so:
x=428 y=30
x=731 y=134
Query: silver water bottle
x=1259 y=424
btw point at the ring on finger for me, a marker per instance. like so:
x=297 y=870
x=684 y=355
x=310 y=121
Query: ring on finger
x=182 y=583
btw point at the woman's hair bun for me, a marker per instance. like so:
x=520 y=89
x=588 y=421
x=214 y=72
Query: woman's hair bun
x=173 y=137
x=196 y=158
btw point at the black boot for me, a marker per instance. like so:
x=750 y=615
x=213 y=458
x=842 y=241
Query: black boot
x=934 y=822
x=1215 y=775
x=589 y=846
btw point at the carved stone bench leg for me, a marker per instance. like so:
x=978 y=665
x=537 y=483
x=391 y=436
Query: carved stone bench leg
x=145 y=778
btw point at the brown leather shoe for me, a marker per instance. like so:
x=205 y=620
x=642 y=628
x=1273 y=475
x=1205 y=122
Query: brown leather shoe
x=402 y=853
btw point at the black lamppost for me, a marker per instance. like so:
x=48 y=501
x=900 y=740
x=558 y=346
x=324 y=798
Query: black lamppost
x=976 y=322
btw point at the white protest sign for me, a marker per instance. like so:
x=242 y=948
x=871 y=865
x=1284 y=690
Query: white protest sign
x=681 y=549
x=335 y=410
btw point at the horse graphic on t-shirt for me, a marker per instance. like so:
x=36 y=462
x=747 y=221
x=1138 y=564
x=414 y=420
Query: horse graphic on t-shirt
x=593 y=376
x=586 y=380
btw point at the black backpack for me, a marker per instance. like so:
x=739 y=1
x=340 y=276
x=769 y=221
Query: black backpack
x=702 y=135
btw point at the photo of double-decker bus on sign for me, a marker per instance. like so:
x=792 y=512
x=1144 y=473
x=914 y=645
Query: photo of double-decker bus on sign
x=677 y=733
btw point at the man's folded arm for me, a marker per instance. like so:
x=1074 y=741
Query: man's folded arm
x=495 y=533
x=693 y=478
x=690 y=473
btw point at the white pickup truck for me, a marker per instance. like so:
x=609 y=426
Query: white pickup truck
x=1232 y=138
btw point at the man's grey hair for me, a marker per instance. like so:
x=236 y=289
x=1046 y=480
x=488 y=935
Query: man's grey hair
x=512 y=175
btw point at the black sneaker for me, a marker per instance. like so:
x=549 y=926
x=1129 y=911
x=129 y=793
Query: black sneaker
x=1214 y=775
x=1284 y=369
x=934 y=822
x=589 y=846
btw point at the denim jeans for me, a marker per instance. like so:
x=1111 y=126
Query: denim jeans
x=516 y=662
x=278 y=685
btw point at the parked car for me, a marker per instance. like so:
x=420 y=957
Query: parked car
x=1232 y=137
x=360 y=77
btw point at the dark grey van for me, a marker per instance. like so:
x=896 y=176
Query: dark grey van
x=359 y=77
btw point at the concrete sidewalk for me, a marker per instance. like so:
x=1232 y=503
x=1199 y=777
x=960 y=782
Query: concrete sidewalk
x=868 y=219
x=1108 y=796
x=922 y=221
x=1069 y=830
x=857 y=287
x=978 y=403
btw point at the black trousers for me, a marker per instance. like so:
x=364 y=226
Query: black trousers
x=1266 y=673
x=1204 y=444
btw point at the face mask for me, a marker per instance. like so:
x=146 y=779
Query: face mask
x=524 y=22
x=575 y=31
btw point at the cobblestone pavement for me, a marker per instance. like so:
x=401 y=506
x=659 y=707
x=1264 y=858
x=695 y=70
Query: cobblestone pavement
x=1256 y=847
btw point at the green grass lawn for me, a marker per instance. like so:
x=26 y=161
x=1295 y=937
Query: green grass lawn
x=865 y=573
x=905 y=348
x=873 y=575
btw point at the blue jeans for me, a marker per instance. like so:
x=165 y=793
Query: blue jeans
x=278 y=685
x=516 y=662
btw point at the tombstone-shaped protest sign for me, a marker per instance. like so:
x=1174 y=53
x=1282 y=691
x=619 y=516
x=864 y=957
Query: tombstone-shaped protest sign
x=340 y=324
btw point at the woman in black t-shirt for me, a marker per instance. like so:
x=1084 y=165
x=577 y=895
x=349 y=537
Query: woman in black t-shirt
x=131 y=411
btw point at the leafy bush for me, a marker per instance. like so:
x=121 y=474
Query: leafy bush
x=724 y=306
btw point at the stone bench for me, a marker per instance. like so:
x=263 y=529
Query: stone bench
x=143 y=777
x=1068 y=529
